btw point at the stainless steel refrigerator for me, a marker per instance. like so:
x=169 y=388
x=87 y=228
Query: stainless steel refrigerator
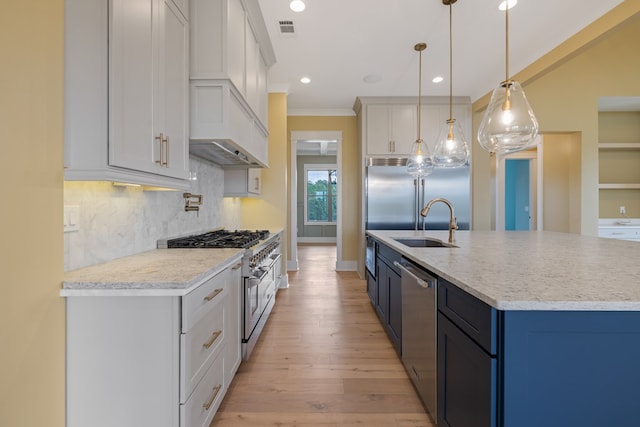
x=394 y=198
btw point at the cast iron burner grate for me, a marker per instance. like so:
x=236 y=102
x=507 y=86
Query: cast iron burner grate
x=220 y=239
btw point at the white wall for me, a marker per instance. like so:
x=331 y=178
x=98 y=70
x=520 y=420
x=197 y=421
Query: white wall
x=119 y=221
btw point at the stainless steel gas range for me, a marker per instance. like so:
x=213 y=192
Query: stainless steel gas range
x=261 y=272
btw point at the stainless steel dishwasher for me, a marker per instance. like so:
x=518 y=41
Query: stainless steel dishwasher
x=419 y=331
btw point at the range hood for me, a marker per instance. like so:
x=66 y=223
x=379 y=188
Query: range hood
x=222 y=154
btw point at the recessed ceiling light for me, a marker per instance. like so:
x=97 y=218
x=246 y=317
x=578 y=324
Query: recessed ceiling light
x=297 y=5
x=503 y=5
x=305 y=80
x=372 y=78
x=437 y=79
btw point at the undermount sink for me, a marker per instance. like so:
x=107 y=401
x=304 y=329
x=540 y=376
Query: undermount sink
x=424 y=242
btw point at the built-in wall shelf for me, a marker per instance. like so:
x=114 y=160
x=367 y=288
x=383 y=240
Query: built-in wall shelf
x=618 y=163
x=619 y=186
x=619 y=146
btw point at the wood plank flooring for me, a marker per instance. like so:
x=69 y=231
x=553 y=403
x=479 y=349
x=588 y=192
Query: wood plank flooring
x=323 y=359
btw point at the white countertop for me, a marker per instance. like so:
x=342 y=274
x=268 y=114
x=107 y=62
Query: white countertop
x=533 y=270
x=159 y=272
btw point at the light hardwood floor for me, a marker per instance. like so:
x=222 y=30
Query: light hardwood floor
x=323 y=359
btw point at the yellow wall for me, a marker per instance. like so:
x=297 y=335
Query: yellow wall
x=561 y=183
x=563 y=88
x=350 y=176
x=31 y=258
x=270 y=210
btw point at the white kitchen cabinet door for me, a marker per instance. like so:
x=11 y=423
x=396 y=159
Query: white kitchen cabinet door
x=148 y=87
x=242 y=182
x=173 y=93
x=391 y=129
x=233 y=324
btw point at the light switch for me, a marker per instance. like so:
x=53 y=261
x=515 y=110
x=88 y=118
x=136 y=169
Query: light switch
x=71 y=218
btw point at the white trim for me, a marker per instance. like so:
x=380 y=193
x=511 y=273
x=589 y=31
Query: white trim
x=317 y=239
x=347 y=266
x=535 y=157
x=321 y=112
x=284 y=282
x=317 y=167
x=292 y=263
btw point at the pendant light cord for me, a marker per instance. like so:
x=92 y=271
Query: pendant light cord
x=419 y=47
x=419 y=94
x=450 y=61
x=506 y=11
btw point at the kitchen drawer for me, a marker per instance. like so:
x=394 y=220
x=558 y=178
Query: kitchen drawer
x=625 y=233
x=474 y=317
x=200 y=346
x=197 y=303
x=200 y=408
x=389 y=256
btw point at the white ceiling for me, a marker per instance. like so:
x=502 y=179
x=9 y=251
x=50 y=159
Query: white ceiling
x=339 y=42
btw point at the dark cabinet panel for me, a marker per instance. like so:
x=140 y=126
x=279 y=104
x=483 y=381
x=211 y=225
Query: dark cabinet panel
x=385 y=294
x=476 y=318
x=467 y=379
x=394 y=316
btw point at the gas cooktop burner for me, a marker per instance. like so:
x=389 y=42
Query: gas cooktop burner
x=220 y=239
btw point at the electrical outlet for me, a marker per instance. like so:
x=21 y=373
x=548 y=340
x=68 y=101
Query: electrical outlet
x=623 y=211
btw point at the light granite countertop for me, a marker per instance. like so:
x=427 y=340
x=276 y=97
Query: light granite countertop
x=159 y=272
x=533 y=270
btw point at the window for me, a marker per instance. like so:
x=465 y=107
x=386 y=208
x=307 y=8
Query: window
x=320 y=193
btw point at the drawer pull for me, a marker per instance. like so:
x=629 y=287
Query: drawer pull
x=212 y=295
x=208 y=404
x=213 y=339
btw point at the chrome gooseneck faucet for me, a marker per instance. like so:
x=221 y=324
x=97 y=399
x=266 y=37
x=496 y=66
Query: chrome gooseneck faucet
x=453 y=224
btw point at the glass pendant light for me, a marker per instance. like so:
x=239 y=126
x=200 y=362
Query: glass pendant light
x=509 y=124
x=420 y=162
x=451 y=150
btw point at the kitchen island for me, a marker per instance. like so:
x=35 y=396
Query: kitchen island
x=534 y=328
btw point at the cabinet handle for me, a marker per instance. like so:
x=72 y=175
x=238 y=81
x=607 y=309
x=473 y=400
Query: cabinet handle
x=160 y=140
x=166 y=151
x=215 y=391
x=212 y=295
x=163 y=142
x=394 y=146
x=213 y=339
x=257 y=187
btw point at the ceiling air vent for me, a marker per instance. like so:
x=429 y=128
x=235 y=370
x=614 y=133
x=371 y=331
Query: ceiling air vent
x=286 y=27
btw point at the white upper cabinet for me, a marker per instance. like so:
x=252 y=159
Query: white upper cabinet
x=230 y=57
x=126 y=100
x=391 y=129
x=389 y=125
x=148 y=90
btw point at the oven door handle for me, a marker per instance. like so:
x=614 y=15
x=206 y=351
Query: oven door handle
x=274 y=260
x=259 y=279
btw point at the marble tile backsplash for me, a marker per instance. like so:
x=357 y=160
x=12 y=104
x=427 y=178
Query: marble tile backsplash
x=120 y=221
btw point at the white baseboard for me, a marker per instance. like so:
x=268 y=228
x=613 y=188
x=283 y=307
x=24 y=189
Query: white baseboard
x=347 y=266
x=284 y=282
x=317 y=240
x=292 y=265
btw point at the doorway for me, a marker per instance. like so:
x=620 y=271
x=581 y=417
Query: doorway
x=517 y=192
x=316 y=144
x=519 y=189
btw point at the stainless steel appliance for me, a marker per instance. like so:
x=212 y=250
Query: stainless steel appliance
x=261 y=271
x=371 y=256
x=419 y=331
x=394 y=198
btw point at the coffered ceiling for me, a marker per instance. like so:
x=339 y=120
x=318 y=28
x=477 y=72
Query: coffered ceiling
x=340 y=44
